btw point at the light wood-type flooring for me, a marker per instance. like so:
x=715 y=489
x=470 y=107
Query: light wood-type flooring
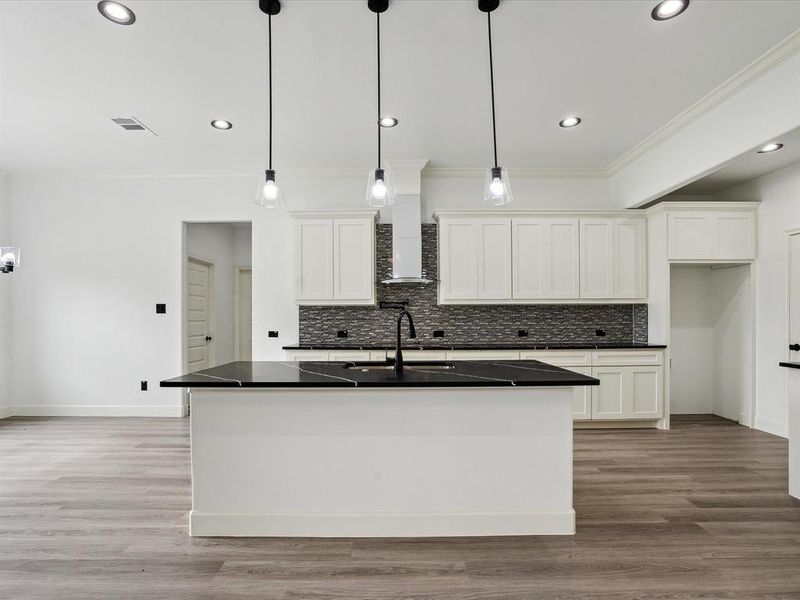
x=95 y=508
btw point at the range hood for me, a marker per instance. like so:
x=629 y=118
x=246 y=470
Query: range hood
x=407 y=223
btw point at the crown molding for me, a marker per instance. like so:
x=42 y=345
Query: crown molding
x=776 y=55
x=532 y=173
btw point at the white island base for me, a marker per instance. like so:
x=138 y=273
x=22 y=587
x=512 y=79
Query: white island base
x=387 y=462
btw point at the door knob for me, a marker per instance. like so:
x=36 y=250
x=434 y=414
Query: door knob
x=794 y=347
x=208 y=338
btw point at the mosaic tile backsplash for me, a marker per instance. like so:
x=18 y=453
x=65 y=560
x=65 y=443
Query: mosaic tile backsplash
x=465 y=324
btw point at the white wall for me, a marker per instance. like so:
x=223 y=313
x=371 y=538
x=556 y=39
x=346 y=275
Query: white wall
x=242 y=246
x=100 y=253
x=779 y=193
x=691 y=340
x=6 y=318
x=224 y=246
x=733 y=342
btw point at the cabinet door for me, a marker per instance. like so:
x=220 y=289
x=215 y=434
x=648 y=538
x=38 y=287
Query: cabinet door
x=690 y=236
x=597 y=254
x=609 y=398
x=528 y=258
x=545 y=258
x=582 y=397
x=734 y=235
x=494 y=259
x=458 y=260
x=630 y=258
x=313 y=259
x=353 y=264
x=646 y=396
x=562 y=259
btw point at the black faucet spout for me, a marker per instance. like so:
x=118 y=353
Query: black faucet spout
x=412 y=333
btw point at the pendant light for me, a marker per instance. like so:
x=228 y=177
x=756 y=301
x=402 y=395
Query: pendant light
x=497 y=189
x=270 y=195
x=379 y=187
x=9 y=259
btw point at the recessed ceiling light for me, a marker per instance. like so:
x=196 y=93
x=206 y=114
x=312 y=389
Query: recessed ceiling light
x=669 y=9
x=116 y=12
x=387 y=122
x=571 y=121
x=221 y=124
x=771 y=147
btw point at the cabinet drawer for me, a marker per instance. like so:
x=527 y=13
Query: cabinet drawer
x=564 y=358
x=482 y=355
x=349 y=355
x=412 y=355
x=311 y=355
x=625 y=358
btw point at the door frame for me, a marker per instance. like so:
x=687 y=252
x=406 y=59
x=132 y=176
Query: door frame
x=789 y=233
x=212 y=349
x=237 y=307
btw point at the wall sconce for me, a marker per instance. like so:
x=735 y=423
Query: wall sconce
x=9 y=259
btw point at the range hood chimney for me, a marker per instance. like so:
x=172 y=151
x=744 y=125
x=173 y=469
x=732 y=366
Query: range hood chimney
x=407 y=222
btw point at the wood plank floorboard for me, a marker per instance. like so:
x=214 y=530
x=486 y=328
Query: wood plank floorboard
x=97 y=508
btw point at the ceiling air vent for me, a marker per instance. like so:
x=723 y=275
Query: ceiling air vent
x=132 y=124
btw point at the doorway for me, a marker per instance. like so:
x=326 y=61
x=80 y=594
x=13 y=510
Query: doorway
x=712 y=335
x=217 y=324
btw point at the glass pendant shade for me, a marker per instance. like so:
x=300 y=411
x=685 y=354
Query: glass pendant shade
x=379 y=189
x=9 y=259
x=270 y=194
x=497 y=189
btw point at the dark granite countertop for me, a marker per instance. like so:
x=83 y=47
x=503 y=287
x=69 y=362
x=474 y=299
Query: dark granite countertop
x=526 y=346
x=334 y=374
x=790 y=365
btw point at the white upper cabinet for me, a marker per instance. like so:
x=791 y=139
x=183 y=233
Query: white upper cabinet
x=353 y=259
x=614 y=258
x=334 y=258
x=597 y=258
x=494 y=259
x=545 y=258
x=313 y=239
x=715 y=235
x=528 y=258
x=474 y=260
x=630 y=258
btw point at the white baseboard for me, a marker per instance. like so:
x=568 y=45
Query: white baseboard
x=6 y=411
x=88 y=410
x=773 y=427
x=381 y=524
x=744 y=419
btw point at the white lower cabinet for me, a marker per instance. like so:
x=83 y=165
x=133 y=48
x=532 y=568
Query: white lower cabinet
x=628 y=393
x=631 y=381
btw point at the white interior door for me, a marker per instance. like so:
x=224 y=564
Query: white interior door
x=245 y=324
x=794 y=298
x=198 y=315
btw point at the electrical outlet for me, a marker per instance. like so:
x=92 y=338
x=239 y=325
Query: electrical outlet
x=600 y=332
x=272 y=334
x=144 y=386
x=438 y=333
x=522 y=333
x=341 y=333
x=161 y=309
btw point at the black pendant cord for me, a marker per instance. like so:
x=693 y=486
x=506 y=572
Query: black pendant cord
x=378 y=120
x=269 y=45
x=491 y=84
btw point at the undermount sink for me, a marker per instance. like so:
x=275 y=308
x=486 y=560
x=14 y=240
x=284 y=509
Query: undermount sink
x=366 y=367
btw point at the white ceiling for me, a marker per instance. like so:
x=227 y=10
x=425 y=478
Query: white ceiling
x=67 y=72
x=746 y=167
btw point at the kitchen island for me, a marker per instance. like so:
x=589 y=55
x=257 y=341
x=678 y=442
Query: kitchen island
x=354 y=450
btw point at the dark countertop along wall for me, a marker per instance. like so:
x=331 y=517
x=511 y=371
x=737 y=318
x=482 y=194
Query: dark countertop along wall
x=465 y=325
